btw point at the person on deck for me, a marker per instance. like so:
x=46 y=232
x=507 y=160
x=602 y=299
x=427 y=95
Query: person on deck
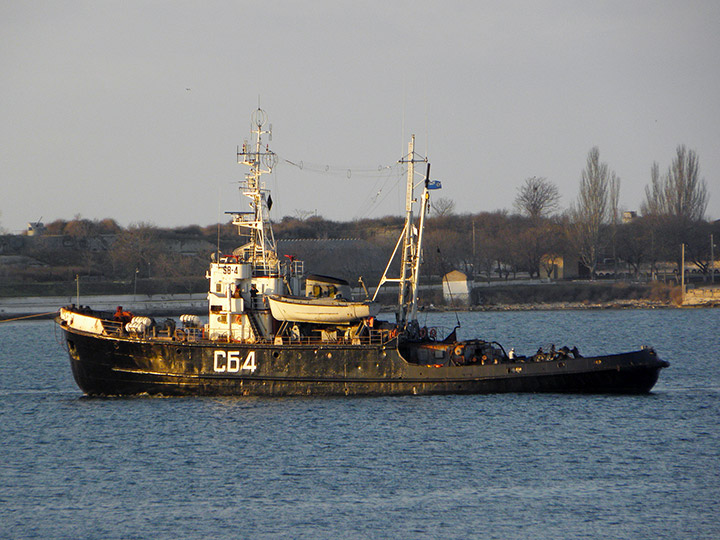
x=122 y=316
x=253 y=294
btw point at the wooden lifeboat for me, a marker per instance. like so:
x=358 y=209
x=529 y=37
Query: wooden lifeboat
x=320 y=310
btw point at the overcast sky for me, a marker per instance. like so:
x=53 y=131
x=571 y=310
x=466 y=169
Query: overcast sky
x=133 y=110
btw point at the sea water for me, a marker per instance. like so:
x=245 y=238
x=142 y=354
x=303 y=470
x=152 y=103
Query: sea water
x=510 y=466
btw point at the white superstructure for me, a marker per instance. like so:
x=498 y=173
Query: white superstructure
x=239 y=282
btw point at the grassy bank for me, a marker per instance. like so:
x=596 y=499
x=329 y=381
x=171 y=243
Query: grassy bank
x=575 y=293
x=98 y=287
x=558 y=295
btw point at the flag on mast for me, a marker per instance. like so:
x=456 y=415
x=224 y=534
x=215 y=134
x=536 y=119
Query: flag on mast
x=434 y=184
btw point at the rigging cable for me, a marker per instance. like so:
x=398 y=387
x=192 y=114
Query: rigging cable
x=373 y=202
x=384 y=175
x=444 y=278
x=348 y=172
x=29 y=316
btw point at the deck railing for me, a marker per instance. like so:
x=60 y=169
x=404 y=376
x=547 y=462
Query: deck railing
x=111 y=327
x=198 y=335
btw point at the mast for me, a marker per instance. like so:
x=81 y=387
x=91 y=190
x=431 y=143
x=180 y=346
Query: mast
x=411 y=241
x=261 y=249
x=425 y=202
x=253 y=269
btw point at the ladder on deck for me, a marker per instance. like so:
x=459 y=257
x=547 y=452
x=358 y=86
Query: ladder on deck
x=254 y=325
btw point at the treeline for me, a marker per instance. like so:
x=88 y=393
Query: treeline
x=487 y=245
x=593 y=235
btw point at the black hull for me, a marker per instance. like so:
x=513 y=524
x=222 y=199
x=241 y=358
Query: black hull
x=106 y=365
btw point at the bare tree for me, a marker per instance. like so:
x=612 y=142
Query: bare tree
x=591 y=210
x=677 y=201
x=443 y=206
x=137 y=247
x=541 y=242
x=635 y=243
x=685 y=193
x=537 y=197
x=614 y=197
x=78 y=227
x=654 y=204
x=302 y=215
x=680 y=193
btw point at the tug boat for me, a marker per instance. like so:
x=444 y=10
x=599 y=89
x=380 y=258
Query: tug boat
x=263 y=338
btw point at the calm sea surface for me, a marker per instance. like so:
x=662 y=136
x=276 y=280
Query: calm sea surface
x=498 y=466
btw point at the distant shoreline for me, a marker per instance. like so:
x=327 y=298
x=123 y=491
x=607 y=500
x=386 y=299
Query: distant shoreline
x=573 y=306
x=159 y=305
x=47 y=307
x=570 y=306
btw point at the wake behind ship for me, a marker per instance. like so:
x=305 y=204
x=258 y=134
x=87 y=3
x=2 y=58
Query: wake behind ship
x=273 y=330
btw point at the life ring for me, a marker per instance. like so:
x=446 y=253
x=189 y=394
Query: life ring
x=432 y=333
x=180 y=334
x=459 y=350
x=238 y=319
x=393 y=333
x=423 y=332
